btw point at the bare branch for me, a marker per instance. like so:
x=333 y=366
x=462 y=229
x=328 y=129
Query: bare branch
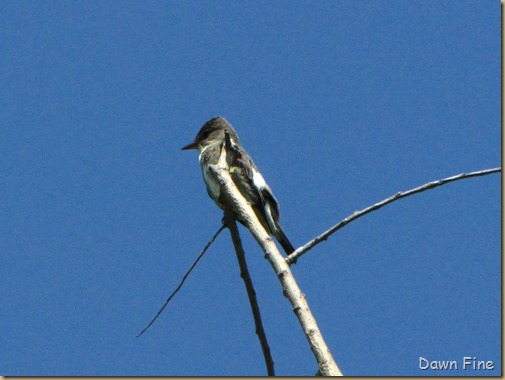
x=183 y=279
x=243 y=211
x=291 y=259
x=251 y=293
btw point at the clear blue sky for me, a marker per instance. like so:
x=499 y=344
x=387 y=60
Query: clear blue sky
x=341 y=104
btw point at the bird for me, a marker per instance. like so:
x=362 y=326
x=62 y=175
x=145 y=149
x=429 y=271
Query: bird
x=216 y=134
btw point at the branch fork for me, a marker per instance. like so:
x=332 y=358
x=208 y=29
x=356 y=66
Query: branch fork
x=233 y=199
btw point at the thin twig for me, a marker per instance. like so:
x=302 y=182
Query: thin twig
x=251 y=293
x=183 y=279
x=291 y=259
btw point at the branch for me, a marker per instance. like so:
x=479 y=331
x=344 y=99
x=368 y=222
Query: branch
x=233 y=198
x=183 y=279
x=291 y=259
x=251 y=293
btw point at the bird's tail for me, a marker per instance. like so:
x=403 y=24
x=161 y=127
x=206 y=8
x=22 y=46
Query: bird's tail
x=283 y=240
x=272 y=225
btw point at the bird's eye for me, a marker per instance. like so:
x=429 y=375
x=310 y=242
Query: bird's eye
x=205 y=133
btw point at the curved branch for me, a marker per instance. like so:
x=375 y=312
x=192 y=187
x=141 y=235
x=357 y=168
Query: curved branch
x=291 y=259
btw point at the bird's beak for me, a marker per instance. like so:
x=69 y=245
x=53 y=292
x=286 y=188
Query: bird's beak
x=193 y=145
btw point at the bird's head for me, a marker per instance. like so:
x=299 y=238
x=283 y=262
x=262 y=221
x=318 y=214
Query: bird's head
x=212 y=132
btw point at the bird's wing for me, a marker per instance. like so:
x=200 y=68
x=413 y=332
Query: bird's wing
x=257 y=190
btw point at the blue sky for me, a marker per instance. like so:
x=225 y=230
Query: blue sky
x=341 y=104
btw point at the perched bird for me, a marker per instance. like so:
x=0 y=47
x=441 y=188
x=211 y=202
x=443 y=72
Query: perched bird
x=209 y=141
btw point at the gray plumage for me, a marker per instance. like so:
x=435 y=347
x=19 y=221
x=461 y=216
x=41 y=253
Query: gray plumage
x=244 y=173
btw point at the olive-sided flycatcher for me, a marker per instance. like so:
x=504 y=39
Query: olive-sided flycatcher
x=209 y=141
